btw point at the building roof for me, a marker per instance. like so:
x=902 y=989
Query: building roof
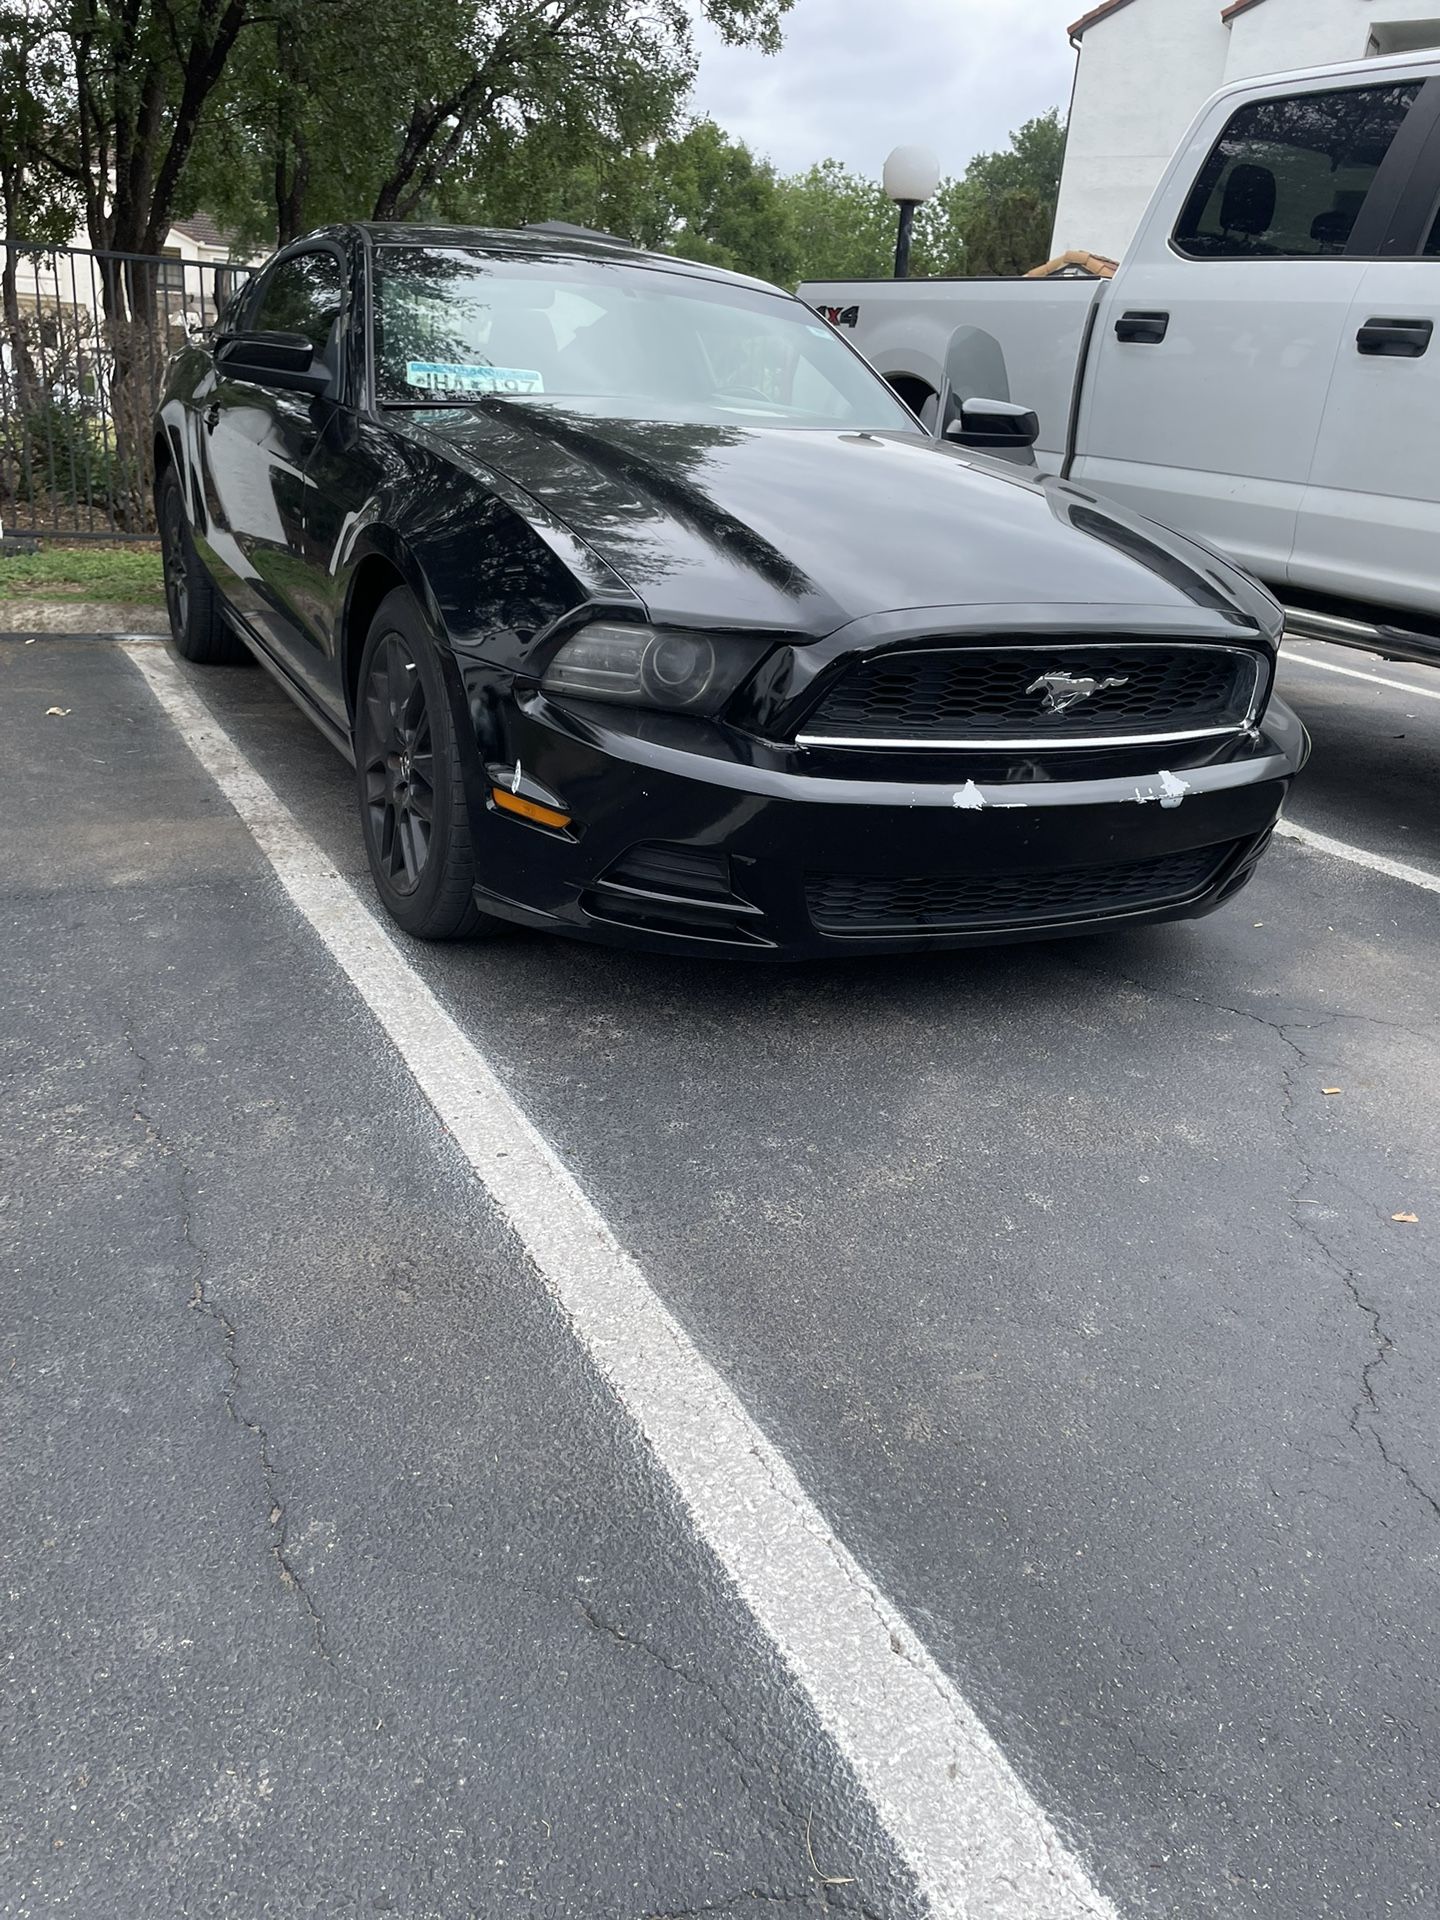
x=1107 y=7
x=1075 y=265
x=204 y=231
x=1102 y=12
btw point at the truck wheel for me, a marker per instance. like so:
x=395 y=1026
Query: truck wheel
x=196 y=628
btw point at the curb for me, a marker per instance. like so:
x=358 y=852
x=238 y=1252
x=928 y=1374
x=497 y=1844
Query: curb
x=80 y=616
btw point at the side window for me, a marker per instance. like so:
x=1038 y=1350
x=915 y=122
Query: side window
x=1288 y=177
x=231 y=291
x=302 y=295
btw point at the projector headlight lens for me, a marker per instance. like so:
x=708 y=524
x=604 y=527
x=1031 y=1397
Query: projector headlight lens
x=663 y=667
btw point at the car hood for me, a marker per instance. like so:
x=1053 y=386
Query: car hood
x=804 y=531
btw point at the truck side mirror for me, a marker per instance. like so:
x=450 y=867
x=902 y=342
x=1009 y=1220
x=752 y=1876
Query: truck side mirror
x=997 y=425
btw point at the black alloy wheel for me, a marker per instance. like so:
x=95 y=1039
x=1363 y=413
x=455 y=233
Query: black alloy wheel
x=411 y=788
x=197 y=629
x=177 y=583
x=399 y=769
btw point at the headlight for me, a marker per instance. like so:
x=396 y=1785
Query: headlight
x=653 y=666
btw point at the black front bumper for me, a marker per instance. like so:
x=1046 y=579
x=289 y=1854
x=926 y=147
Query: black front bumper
x=784 y=842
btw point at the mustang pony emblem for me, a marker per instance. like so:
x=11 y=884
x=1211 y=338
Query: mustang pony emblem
x=1065 y=690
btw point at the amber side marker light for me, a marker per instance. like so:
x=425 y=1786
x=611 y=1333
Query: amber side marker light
x=528 y=809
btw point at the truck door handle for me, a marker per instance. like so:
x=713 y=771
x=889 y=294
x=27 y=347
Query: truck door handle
x=1142 y=329
x=1395 y=339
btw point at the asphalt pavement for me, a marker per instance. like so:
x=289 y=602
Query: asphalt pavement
x=335 y=1580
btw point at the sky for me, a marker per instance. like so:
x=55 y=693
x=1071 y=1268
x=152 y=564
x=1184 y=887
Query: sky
x=858 y=77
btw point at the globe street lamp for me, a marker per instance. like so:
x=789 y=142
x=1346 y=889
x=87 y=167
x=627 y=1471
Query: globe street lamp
x=911 y=176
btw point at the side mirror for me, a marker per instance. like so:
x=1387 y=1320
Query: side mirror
x=998 y=425
x=285 y=361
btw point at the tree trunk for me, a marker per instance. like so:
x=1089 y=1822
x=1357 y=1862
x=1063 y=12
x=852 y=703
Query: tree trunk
x=20 y=389
x=138 y=351
x=23 y=382
x=129 y=134
x=292 y=153
x=290 y=191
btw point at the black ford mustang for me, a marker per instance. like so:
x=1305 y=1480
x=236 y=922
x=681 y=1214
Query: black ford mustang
x=647 y=612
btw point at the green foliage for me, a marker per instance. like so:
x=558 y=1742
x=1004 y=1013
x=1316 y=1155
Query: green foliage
x=442 y=107
x=843 y=226
x=1030 y=164
x=280 y=115
x=699 y=194
x=56 y=449
x=35 y=202
x=717 y=203
x=707 y=196
x=999 y=217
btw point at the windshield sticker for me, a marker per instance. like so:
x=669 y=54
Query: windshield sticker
x=446 y=376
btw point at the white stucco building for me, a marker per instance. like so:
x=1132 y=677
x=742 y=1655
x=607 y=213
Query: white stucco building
x=1147 y=66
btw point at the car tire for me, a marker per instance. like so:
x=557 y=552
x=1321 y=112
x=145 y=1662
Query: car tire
x=197 y=631
x=424 y=868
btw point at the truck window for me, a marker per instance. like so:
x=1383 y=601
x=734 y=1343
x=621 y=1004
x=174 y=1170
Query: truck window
x=1287 y=178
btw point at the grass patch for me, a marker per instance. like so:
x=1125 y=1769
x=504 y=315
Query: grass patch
x=129 y=574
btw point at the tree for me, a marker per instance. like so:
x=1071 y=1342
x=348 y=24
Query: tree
x=716 y=202
x=843 y=226
x=438 y=107
x=33 y=206
x=999 y=217
x=292 y=112
x=1030 y=164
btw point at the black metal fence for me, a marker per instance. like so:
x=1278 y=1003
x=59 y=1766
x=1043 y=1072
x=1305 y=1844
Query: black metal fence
x=85 y=339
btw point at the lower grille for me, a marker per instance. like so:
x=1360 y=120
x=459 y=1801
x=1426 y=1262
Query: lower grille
x=677 y=890
x=1035 y=696
x=842 y=903
x=688 y=872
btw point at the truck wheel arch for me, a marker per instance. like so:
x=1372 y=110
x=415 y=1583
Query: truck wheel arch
x=918 y=394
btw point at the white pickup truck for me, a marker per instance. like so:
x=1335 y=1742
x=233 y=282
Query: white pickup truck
x=1262 y=371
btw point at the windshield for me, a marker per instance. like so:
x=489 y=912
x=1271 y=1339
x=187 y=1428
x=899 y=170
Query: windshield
x=609 y=338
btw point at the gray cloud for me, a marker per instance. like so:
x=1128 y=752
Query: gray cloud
x=858 y=77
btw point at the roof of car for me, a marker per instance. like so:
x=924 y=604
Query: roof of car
x=550 y=242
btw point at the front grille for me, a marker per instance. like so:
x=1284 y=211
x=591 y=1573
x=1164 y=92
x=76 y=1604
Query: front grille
x=985 y=695
x=846 y=904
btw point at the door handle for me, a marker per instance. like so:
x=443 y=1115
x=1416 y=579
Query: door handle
x=212 y=416
x=1395 y=339
x=1142 y=329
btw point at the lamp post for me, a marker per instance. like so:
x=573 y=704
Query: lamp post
x=911 y=176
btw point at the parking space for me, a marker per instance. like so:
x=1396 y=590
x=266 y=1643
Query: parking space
x=1068 y=1279
x=1376 y=726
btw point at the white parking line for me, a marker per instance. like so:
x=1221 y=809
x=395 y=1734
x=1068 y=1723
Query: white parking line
x=1358 y=857
x=1288 y=653
x=976 y=1842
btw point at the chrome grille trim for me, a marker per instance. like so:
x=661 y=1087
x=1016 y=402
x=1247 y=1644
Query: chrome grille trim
x=999 y=745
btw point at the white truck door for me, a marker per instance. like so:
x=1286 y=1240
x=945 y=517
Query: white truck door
x=1223 y=327
x=1369 y=526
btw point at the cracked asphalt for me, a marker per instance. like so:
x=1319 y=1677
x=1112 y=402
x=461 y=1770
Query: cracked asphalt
x=332 y=1580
